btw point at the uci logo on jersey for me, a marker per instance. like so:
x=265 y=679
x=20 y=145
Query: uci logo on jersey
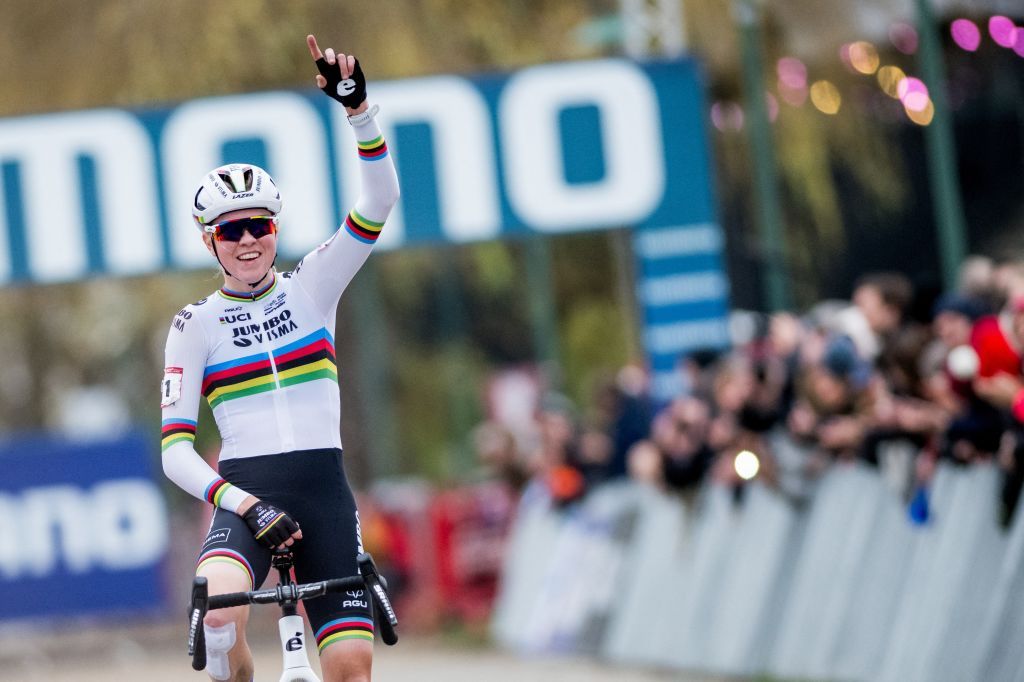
x=231 y=319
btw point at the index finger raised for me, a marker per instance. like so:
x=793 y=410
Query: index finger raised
x=314 y=49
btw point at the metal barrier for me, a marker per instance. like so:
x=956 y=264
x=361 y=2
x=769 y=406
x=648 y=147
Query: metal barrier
x=846 y=588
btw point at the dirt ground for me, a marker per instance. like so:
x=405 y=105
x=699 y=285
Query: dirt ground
x=156 y=653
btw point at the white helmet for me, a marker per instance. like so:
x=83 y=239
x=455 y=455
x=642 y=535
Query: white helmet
x=231 y=187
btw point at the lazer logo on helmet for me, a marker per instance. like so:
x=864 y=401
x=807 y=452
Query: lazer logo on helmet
x=244 y=195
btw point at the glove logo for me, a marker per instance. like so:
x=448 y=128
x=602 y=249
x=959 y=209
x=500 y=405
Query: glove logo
x=346 y=87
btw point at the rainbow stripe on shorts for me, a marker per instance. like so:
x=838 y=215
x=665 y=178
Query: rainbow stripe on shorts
x=226 y=556
x=340 y=629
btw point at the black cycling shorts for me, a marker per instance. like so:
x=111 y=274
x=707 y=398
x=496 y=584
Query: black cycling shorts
x=309 y=485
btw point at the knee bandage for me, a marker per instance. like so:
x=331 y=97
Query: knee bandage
x=219 y=641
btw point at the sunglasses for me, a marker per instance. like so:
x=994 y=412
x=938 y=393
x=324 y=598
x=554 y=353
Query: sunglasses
x=234 y=230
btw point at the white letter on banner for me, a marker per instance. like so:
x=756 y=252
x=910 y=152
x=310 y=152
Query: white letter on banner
x=464 y=162
x=46 y=149
x=5 y=251
x=41 y=514
x=296 y=155
x=131 y=523
x=531 y=143
x=11 y=549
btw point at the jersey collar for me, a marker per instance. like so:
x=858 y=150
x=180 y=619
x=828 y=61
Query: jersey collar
x=250 y=296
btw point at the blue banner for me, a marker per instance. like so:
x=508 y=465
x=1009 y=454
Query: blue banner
x=550 y=149
x=83 y=528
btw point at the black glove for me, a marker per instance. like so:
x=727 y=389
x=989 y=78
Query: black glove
x=269 y=525
x=351 y=91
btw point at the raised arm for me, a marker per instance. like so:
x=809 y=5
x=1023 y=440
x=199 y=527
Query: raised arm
x=325 y=272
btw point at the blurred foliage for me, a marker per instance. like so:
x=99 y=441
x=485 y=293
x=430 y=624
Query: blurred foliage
x=71 y=54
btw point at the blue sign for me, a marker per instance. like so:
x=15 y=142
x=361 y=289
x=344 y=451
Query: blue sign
x=550 y=149
x=83 y=528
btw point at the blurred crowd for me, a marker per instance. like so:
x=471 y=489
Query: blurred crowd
x=890 y=377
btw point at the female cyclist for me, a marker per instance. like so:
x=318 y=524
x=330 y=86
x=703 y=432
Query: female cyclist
x=261 y=351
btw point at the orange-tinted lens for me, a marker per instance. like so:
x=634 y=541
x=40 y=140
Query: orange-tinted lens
x=234 y=230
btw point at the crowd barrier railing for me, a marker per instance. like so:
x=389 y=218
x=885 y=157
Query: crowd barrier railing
x=845 y=586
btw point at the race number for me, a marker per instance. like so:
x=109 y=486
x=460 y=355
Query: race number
x=170 y=387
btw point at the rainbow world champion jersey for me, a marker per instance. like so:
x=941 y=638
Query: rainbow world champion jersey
x=265 y=360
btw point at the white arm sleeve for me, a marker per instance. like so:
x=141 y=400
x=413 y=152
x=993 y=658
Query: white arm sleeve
x=180 y=392
x=325 y=272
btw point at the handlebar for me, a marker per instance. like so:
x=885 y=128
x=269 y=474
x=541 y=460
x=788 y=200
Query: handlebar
x=289 y=593
x=284 y=594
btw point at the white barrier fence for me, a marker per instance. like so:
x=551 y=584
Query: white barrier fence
x=846 y=588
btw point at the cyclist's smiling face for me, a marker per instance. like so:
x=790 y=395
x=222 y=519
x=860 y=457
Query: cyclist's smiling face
x=248 y=259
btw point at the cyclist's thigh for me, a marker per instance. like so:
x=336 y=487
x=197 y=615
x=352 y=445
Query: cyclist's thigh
x=230 y=549
x=328 y=549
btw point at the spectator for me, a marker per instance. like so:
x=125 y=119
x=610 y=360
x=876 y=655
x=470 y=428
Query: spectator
x=499 y=456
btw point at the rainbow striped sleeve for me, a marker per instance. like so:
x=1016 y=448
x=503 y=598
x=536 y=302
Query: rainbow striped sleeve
x=215 y=492
x=176 y=431
x=350 y=627
x=362 y=228
x=373 y=150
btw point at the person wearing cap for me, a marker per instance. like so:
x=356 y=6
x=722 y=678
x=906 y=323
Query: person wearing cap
x=260 y=350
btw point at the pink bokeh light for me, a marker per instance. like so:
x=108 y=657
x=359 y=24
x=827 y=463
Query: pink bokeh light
x=772 y=105
x=1003 y=31
x=903 y=37
x=792 y=73
x=1018 y=44
x=966 y=34
x=844 y=55
x=727 y=116
x=913 y=93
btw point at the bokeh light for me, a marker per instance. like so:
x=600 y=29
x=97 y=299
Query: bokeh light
x=746 y=464
x=792 y=80
x=863 y=57
x=914 y=94
x=826 y=98
x=903 y=37
x=772 y=105
x=727 y=116
x=1003 y=31
x=844 y=55
x=794 y=98
x=966 y=34
x=792 y=73
x=889 y=79
x=924 y=116
x=1018 y=44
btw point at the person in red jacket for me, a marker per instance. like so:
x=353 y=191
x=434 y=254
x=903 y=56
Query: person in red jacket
x=998 y=340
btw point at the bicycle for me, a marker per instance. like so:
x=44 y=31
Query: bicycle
x=287 y=594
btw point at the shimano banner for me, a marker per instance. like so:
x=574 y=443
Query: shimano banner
x=550 y=149
x=84 y=534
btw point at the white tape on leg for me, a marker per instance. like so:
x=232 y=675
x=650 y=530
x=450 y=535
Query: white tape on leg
x=219 y=641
